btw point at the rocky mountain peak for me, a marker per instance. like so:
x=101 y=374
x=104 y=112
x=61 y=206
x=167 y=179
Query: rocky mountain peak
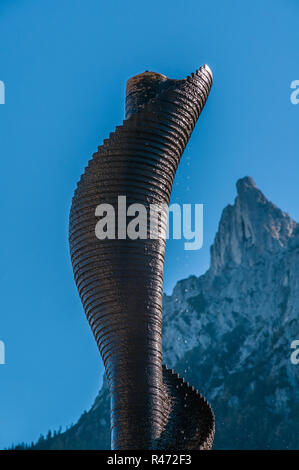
x=246 y=183
x=229 y=332
x=250 y=228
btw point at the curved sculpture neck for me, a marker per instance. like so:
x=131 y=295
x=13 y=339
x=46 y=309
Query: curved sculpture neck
x=120 y=280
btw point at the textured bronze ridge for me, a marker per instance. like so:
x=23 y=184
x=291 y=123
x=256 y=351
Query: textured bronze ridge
x=120 y=281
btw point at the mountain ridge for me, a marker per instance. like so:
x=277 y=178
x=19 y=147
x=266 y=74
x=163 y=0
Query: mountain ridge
x=229 y=332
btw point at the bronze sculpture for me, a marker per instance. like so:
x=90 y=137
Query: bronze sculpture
x=120 y=280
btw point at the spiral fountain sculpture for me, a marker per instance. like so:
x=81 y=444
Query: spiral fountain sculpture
x=120 y=279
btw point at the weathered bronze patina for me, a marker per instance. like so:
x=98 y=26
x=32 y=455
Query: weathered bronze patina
x=120 y=281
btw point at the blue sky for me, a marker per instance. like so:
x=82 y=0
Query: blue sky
x=65 y=64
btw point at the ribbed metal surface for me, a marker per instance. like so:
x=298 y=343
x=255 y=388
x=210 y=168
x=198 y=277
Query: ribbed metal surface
x=120 y=282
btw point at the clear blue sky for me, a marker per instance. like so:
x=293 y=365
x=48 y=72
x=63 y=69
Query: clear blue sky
x=65 y=64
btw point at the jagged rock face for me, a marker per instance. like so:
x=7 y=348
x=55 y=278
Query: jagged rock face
x=253 y=227
x=229 y=331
